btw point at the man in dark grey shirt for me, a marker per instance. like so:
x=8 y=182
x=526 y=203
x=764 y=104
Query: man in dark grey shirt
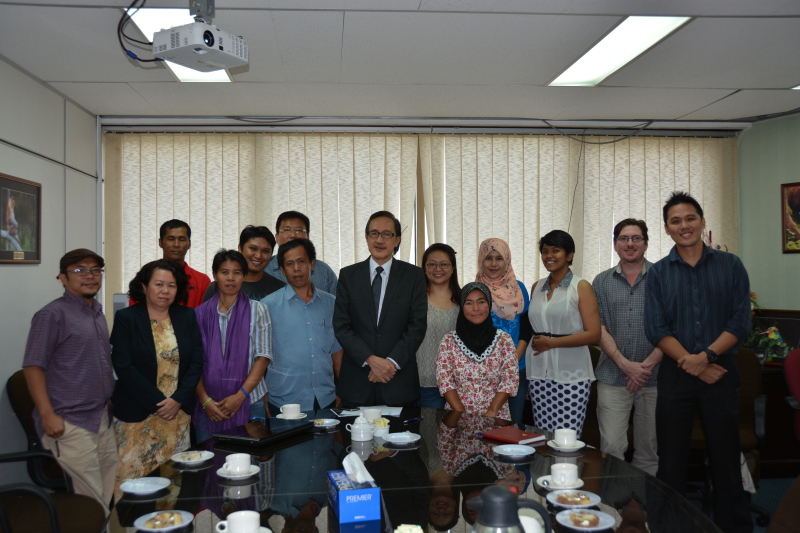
x=68 y=369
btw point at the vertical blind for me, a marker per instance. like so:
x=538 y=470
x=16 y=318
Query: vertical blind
x=519 y=187
x=516 y=187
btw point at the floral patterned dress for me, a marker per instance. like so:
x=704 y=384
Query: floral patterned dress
x=477 y=383
x=145 y=445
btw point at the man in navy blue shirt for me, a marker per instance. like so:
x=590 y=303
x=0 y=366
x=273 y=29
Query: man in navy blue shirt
x=697 y=311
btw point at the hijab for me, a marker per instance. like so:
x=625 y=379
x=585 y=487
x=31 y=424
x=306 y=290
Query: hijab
x=506 y=295
x=476 y=341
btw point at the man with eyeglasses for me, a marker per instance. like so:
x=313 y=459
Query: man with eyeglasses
x=380 y=318
x=626 y=373
x=295 y=225
x=67 y=366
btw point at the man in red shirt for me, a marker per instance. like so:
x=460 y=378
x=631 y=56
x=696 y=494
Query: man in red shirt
x=175 y=240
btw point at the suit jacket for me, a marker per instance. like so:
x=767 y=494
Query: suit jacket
x=133 y=354
x=398 y=335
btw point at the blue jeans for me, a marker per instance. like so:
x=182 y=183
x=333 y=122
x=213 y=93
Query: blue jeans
x=429 y=397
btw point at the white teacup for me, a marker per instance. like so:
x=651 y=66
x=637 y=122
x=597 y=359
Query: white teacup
x=563 y=475
x=240 y=522
x=291 y=410
x=360 y=432
x=566 y=437
x=237 y=463
x=371 y=414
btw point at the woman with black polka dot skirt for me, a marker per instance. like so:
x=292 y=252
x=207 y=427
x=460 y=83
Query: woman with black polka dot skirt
x=565 y=320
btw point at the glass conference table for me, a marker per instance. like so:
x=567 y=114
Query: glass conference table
x=425 y=484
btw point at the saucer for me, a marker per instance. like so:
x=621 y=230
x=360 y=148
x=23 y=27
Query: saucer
x=552 y=497
x=222 y=472
x=544 y=482
x=405 y=437
x=325 y=423
x=186 y=520
x=144 y=485
x=509 y=451
x=284 y=417
x=192 y=457
x=578 y=445
x=606 y=520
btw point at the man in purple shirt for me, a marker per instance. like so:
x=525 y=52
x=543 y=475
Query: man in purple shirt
x=68 y=369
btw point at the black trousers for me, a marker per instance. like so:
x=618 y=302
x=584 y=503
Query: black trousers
x=718 y=407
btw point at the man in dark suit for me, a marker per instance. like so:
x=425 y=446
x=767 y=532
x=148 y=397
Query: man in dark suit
x=380 y=320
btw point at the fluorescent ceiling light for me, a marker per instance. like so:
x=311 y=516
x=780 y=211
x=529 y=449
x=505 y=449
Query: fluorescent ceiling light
x=150 y=21
x=796 y=88
x=626 y=42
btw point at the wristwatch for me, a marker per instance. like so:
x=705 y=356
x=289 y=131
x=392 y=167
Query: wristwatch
x=711 y=354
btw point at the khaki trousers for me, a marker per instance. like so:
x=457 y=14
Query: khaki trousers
x=89 y=458
x=614 y=406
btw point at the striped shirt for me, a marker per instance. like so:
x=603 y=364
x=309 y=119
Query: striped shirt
x=69 y=340
x=260 y=339
x=695 y=305
x=622 y=313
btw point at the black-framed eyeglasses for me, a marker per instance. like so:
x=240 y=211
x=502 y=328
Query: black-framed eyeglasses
x=374 y=234
x=433 y=266
x=636 y=239
x=83 y=272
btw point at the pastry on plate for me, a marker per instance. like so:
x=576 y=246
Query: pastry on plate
x=573 y=498
x=164 y=519
x=584 y=519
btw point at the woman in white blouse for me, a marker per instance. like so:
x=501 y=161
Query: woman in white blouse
x=565 y=320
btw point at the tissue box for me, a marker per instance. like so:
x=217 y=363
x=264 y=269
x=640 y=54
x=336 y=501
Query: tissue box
x=370 y=526
x=352 y=501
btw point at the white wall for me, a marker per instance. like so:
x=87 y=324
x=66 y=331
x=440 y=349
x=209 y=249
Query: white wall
x=40 y=120
x=769 y=155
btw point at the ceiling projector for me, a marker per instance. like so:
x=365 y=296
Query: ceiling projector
x=200 y=46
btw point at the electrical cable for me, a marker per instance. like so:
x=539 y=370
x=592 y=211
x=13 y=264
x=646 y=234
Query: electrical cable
x=123 y=21
x=646 y=124
x=578 y=177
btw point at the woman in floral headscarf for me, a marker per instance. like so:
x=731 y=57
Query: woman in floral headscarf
x=509 y=303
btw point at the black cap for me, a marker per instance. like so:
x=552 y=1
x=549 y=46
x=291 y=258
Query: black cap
x=78 y=255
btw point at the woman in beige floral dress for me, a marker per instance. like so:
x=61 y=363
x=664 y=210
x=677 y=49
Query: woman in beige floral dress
x=158 y=357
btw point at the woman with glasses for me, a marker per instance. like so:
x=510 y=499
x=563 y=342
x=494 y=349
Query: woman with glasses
x=565 y=320
x=509 y=304
x=157 y=354
x=476 y=368
x=441 y=281
x=236 y=340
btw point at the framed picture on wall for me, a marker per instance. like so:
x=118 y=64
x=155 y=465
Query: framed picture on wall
x=790 y=217
x=20 y=220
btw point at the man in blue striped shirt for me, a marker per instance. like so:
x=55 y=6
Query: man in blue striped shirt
x=697 y=310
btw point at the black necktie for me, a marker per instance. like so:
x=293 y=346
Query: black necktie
x=377 y=283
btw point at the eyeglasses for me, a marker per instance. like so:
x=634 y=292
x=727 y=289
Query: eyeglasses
x=374 y=234
x=636 y=239
x=83 y=272
x=434 y=266
x=297 y=231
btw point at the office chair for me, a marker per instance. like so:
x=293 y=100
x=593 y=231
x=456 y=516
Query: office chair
x=43 y=470
x=26 y=508
x=791 y=369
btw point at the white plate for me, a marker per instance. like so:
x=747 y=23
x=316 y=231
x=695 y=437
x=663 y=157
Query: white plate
x=578 y=445
x=186 y=520
x=546 y=479
x=405 y=437
x=145 y=485
x=192 y=457
x=284 y=417
x=222 y=472
x=514 y=450
x=326 y=423
x=552 y=497
x=606 y=521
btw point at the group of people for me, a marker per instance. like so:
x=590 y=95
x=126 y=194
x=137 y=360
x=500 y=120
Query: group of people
x=278 y=328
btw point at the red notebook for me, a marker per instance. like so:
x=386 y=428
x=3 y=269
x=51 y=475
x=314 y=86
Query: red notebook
x=513 y=435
